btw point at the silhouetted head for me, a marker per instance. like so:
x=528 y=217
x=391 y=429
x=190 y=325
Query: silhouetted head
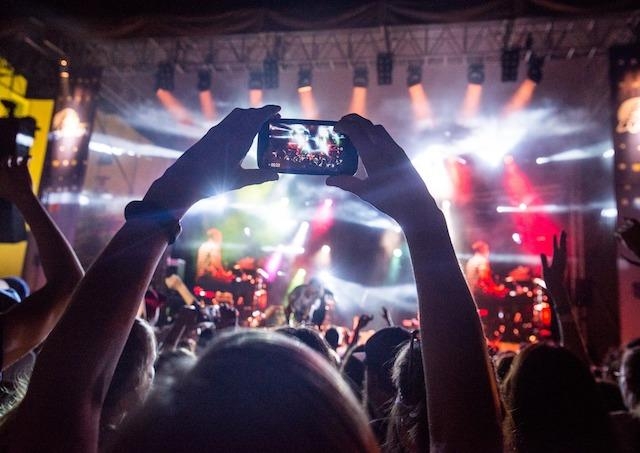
x=333 y=337
x=553 y=404
x=133 y=375
x=408 y=426
x=253 y=391
x=629 y=379
x=311 y=338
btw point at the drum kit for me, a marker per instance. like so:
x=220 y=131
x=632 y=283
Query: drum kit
x=244 y=287
x=519 y=313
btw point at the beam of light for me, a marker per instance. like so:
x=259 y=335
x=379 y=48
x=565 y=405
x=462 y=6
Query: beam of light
x=590 y=152
x=446 y=211
x=555 y=208
x=395 y=265
x=460 y=178
x=359 y=101
x=174 y=107
x=493 y=141
x=521 y=98
x=308 y=102
x=255 y=98
x=610 y=213
x=117 y=146
x=431 y=167
x=207 y=105
x=323 y=218
x=301 y=235
x=322 y=259
x=535 y=228
x=471 y=102
x=297 y=280
x=421 y=106
x=273 y=263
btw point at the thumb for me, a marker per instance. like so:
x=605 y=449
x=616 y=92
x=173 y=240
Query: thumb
x=248 y=177
x=348 y=183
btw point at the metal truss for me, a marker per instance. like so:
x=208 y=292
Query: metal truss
x=326 y=50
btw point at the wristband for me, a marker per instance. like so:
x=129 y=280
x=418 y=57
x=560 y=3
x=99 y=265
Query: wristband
x=157 y=214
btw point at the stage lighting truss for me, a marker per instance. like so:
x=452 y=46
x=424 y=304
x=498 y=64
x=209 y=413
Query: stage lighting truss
x=361 y=77
x=304 y=78
x=414 y=74
x=165 y=77
x=475 y=73
x=384 y=64
x=510 y=60
x=270 y=73
x=534 y=70
x=204 y=80
x=256 y=80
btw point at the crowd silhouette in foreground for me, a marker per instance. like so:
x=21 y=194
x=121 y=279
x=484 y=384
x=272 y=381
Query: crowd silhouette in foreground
x=81 y=373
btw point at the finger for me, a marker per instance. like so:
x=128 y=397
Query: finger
x=348 y=183
x=361 y=131
x=545 y=262
x=555 y=245
x=254 y=176
x=563 y=240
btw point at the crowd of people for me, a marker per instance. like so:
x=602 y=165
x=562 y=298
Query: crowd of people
x=82 y=372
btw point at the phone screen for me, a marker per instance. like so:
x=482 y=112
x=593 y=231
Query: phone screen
x=306 y=147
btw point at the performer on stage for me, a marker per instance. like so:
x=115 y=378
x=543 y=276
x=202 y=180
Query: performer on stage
x=210 y=272
x=308 y=304
x=478 y=272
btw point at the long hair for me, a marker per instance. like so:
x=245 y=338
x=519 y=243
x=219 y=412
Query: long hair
x=253 y=391
x=553 y=404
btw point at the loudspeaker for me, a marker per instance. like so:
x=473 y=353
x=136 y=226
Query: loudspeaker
x=12 y=228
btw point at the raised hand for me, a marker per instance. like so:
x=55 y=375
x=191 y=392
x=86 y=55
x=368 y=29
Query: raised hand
x=392 y=184
x=363 y=321
x=212 y=165
x=15 y=180
x=553 y=274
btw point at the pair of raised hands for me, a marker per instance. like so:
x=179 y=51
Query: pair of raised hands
x=213 y=166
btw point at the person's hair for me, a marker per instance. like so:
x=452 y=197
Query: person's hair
x=553 y=404
x=138 y=354
x=311 y=338
x=630 y=377
x=171 y=366
x=253 y=391
x=408 y=427
x=333 y=337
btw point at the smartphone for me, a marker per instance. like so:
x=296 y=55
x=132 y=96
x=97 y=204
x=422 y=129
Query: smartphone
x=306 y=147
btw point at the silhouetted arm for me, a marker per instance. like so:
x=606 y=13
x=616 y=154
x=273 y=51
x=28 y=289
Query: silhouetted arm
x=74 y=369
x=31 y=321
x=462 y=397
x=554 y=275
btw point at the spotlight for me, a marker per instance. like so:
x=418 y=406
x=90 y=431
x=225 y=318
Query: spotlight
x=361 y=77
x=414 y=74
x=475 y=73
x=510 y=60
x=255 y=80
x=165 y=77
x=270 y=73
x=534 y=71
x=304 y=79
x=385 y=68
x=204 y=80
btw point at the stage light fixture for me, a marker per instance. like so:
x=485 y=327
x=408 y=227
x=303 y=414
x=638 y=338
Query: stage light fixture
x=414 y=74
x=165 y=77
x=384 y=65
x=534 y=70
x=510 y=60
x=270 y=73
x=256 y=80
x=304 y=79
x=63 y=68
x=204 y=80
x=475 y=73
x=361 y=77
